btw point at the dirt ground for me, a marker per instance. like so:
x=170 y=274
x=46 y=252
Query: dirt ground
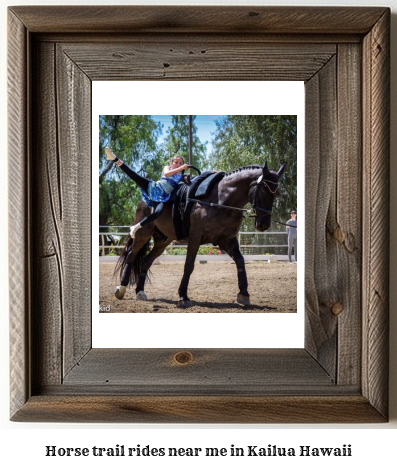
x=213 y=288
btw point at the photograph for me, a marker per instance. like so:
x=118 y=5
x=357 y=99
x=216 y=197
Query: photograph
x=198 y=213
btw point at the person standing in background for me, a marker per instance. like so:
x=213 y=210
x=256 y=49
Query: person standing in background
x=292 y=237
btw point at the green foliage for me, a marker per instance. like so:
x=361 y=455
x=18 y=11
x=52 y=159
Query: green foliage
x=133 y=139
x=177 y=141
x=203 y=250
x=246 y=140
x=176 y=250
x=238 y=141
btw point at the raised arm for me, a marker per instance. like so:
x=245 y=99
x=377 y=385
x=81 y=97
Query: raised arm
x=168 y=171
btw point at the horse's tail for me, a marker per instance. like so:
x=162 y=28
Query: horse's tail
x=137 y=261
x=142 y=211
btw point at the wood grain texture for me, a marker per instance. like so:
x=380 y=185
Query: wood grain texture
x=198 y=19
x=333 y=233
x=62 y=207
x=223 y=59
x=156 y=39
x=321 y=275
x=376 y=91
x=74 y=149
x=199 y=409
x=341 y=376
x=346 y=226
x=19 y=227
x=207 y=369
x=48 y=305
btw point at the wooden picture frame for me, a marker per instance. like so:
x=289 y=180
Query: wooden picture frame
x=342 y=54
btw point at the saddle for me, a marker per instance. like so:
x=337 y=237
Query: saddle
x=199 y=187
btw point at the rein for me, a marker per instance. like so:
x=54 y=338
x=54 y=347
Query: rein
x=255 y=208
x=221 y=206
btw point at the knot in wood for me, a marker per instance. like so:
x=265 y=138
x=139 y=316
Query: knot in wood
x=183 y=358
x=338 y=235
x=337 y=308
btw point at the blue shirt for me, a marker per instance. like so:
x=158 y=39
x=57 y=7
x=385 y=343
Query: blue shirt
x=161 y=191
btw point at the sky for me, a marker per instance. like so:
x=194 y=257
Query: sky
x=205 y=126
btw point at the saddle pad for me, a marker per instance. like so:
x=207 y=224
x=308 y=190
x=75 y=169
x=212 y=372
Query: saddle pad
x=206 y=184
x=181 y=209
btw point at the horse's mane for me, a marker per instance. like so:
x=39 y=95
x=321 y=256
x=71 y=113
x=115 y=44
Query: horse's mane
x=242 y=169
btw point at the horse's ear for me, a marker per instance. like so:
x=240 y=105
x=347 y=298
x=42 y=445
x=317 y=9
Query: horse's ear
x=265 y=170
x=281 y=171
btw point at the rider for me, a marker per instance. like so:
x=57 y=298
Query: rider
x=155 y=194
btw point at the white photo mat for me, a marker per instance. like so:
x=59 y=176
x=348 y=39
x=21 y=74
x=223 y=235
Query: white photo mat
x=210 y=330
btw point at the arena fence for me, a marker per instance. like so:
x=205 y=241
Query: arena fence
x=251 y=243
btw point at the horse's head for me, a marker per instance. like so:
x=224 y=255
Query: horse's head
x=266 y=189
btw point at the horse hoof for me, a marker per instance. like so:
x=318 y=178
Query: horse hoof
x=141 y=296
x=120 y=292
x=244 y=300
x=184 y=303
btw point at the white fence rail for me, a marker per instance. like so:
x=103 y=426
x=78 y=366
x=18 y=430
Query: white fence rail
x=252 y=243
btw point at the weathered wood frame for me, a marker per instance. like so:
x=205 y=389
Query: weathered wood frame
x=342 y=54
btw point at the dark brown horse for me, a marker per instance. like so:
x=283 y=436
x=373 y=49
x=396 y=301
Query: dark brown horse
x=216 y=224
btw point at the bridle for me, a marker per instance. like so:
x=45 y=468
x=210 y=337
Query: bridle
x=256 y=208
x=262 y=182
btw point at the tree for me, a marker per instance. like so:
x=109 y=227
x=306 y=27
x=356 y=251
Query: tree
x=134 y=140
x=245 y=140
x=177 y=141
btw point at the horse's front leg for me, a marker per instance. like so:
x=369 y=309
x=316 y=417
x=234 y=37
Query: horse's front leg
x=192 y=250
x=233 y=250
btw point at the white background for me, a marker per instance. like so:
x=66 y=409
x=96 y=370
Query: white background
x=232 y=330
x=23 y=445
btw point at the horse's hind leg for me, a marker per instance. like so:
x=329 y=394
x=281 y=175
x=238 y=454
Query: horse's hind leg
x=124 y=280
x=233 y=250
x=125 y=277
x=158 y=248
